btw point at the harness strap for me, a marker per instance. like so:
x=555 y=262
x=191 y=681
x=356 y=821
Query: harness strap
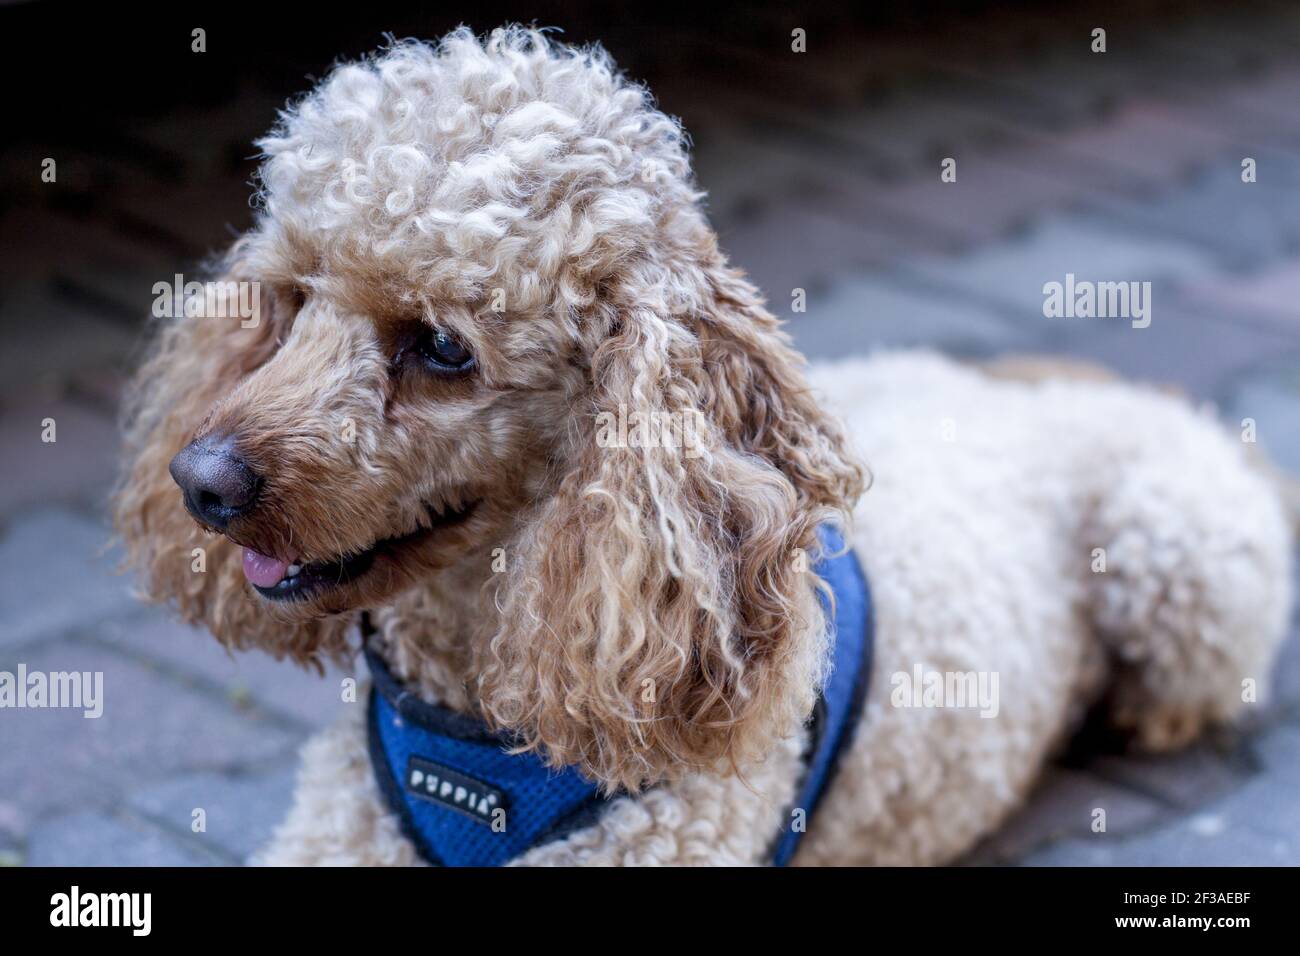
x=465 y=796
x=462 y=796
x=838 y=711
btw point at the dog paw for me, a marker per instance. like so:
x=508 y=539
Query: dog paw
x=1157 y=726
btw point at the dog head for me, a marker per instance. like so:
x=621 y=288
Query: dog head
x=492 y=319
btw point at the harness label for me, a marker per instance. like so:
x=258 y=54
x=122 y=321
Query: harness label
x=452 y=789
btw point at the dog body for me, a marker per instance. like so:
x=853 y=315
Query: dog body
x=978 y=536
x=473 y=258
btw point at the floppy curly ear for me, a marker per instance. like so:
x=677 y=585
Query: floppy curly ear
x=659 y=617
x=194 y=361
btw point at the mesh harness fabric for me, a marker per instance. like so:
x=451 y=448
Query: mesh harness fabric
x=464 y=799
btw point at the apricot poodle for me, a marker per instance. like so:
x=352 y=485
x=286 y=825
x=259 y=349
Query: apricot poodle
x=474 y=255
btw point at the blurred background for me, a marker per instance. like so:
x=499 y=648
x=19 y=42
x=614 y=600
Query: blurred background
x=823 y=174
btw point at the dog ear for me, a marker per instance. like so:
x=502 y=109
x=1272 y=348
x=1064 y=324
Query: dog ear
x=196 y=359
x=660 y=616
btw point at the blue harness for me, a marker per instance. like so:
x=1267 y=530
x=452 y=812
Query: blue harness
x=464 y=800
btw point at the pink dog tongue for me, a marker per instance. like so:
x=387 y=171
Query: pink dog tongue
x=262 y=570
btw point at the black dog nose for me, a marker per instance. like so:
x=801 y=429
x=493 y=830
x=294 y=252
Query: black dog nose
x=217 y=483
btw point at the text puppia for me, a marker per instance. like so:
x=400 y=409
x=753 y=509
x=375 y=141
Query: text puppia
x=76 y=690
x=103 y=909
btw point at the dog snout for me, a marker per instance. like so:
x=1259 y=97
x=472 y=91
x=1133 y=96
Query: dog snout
x=217 y=483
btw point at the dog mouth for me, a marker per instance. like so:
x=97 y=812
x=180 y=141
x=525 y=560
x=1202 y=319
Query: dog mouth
x=279 y=580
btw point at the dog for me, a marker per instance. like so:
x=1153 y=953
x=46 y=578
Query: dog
x=474 y=255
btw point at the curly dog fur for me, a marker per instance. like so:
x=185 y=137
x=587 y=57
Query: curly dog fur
x=644 y=612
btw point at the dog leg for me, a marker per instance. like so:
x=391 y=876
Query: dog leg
x=1190 y=589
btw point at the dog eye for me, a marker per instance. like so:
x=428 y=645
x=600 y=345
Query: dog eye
x=442 y=352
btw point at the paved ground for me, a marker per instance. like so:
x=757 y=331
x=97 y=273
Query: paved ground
x=1124 y=165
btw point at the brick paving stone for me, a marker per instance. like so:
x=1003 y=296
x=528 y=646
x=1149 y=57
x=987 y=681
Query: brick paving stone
x=1003 y=149
x=223 y=138
x=788 y=247
x=1204 y=839
x=1285 y=695
x=829 y=147
x=1012 y=274
x=244 y=678
x=1267 y=802
x=98 y=263
x=1255 y=824
x=1279 y=749
x=1081 y=86
x=126 y=294
x=239 y=813
x=1063 y=74
x=152 y=727
x=1260 y=111
x=101 y=388
x=1243 y=224
x=50 y=340
x=195 y=220
x=77 y=468
x=11 y=822
x=912 y=132
x=162 y=217
x=58 y=241
x=1269 y=294
x=1188 y=778
x=779 y=178
x=833 y=70
x=904 y=131
x=1148 y=139
x=1201 y=57
x=1016 y=143
x=1009 y=172
x=746 y=168
x=1005 y=103
x=1270 y=394
x=57 y=576
x=864 y=313
x=989 y=200
x=766 y=177
x=1183 y=346
x=1040 y=154
x=1062 y=806
x=1268 y=34
x=97 y=839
